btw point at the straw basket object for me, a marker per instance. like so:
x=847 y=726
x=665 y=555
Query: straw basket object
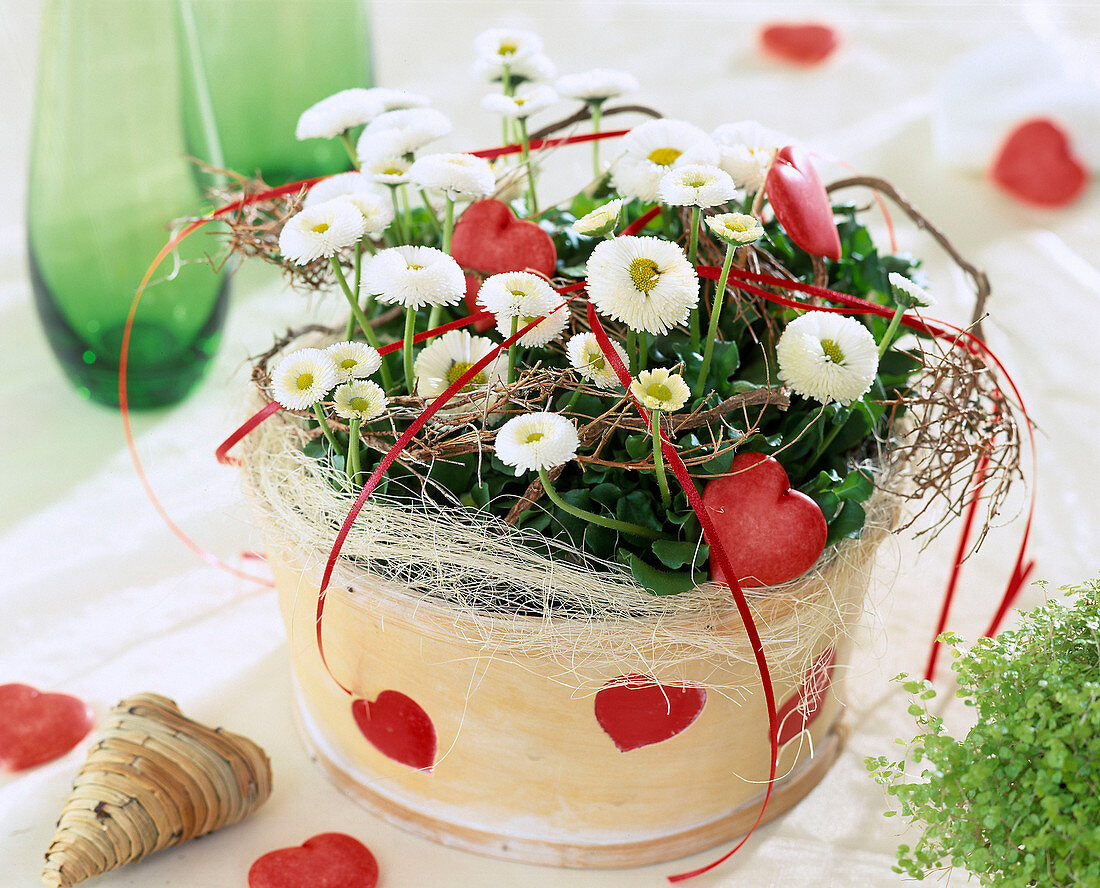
x=634 y=738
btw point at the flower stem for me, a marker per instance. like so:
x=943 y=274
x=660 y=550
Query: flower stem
x=512 y=351
x=349 y=331
x=643 y=350
x=525 y=157
x=824 y=445
x=585 y=515
x=658 y=458
x=353 y=449
x=407 y=350
x=448 y=222
x=360 y=316
x=632 y=351
x=693 y=251
x=576 y=396
x=356 y=311
x=326 y=429
x=406 y=211
x=715 y=312
x=888 y=336
x=349 y=147
x=432 y=217
x=398 y=227
x=597 y=110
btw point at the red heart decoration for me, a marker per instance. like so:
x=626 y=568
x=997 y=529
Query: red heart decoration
x=329 y=860
x=37 y=727
x=771 y=533
x=807 y=44
x=636 y=711
x=399 y=728
x=804 y=706
x=1036 y=165
x=801 y=203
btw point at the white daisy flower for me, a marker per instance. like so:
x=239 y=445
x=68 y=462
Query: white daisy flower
x=303 y=377
x=516 y=293
x=660 y=390
x=529 y=68
x=827 y=357
x=645 y=282
x=413 y=277
x=526 y=101
x=456 y=174
x=397 y=99
x=360 y=399
x=340 y=112
x=387 y=170
x=397 y=133
x=354 y=360
x=507 y=44
x=536 y=441
x=445 y=359
x=600 y=221
x=735 y=228
x=696 y=185
x=597 y=85
x=547 y=330
x=321 y=231
x=653 y=149
x=908 y=293
x=746 y=150
x=377 y=211
x=588 y=360
x=340 y=185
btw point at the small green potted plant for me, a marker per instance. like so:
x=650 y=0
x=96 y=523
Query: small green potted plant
x=1017 y=800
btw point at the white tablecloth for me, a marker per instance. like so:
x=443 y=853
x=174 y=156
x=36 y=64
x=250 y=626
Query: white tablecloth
x=100 y=600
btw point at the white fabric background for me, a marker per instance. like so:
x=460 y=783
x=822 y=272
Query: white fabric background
x=100 y=600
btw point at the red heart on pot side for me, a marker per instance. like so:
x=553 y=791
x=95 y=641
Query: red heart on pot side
x=770 y=532
x=804 y=705
x=801 y=203
x=1036 y=165
x=636 y=711
x=802 y=44
x=36 y=727
x=398 y=727
x=328 y=860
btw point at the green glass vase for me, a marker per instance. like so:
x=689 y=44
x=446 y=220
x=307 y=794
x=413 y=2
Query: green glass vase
x=249 y=68
x=108 y=175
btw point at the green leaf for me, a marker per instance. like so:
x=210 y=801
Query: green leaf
x=677 y=553
x=847 y=523
x=637 y=508
x=661 y=582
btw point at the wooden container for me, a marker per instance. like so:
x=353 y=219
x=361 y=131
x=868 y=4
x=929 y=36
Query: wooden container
x=526 y=768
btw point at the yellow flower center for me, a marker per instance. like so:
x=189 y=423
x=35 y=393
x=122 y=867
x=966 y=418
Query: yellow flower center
x=695 y=180
x=416 y=268
x=523 y=322
x=348 y=363
x=455 y=373
x=507 y=49
x=304 y=381
x=832 y=351
x=519 y=101
x=392 y=171
x=534 y=436
x=659 y=390
x=664 y=156
x=359 y=404
x=320 y=228
x=644 y=273
x=598 y=362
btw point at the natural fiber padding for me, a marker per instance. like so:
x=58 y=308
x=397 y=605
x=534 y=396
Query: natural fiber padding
x=153 y=779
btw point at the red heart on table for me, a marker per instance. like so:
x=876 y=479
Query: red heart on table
x=805 y=44
x=399 y=728
x=801 y=203
x=329 y=860
x=804 y=706
x=1036 y=164
x=636 y=711
x=37 y=727
x=490 y=239
x=771 y=533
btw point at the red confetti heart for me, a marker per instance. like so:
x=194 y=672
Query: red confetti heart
x=37 y=727
x=329 y=860
x=801 y=203
x=399 y=728
x=771 y=533
x=490 y=239
x=804 y=706
x=806 y=44
x=1036 y=165
x=636 y=711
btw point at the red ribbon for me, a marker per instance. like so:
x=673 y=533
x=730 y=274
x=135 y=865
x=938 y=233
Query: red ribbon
x=540 y=144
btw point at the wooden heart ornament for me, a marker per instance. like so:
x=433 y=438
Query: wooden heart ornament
x=801 y=203
x=804 y=705
x=36 y=727
x=636 y=711
x=329 y=860
x=399 y=728
x=488 y=238
x=154 y=778
x=1036 y=165
x=800 y=44
x=771 y=533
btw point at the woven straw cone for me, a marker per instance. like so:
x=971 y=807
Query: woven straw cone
x=154 y=778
